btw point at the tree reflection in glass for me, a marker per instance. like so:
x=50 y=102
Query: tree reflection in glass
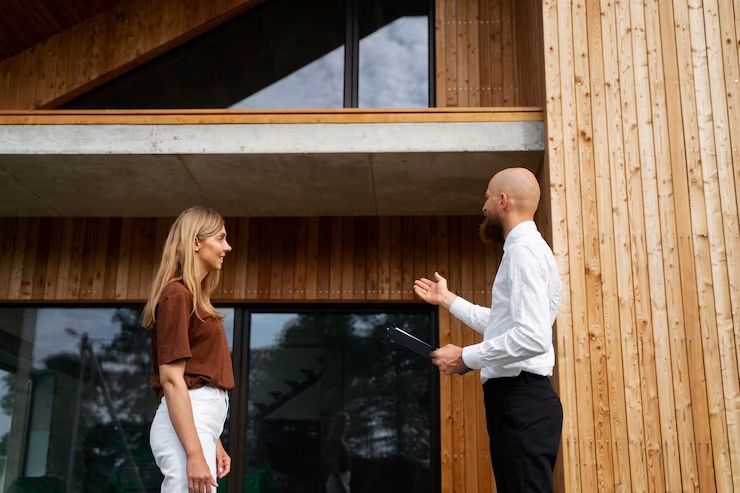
x=91 y=404
x=306 y=369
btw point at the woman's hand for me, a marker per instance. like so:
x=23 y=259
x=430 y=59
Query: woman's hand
x=199 y=475
x=181 y=414
x=223 y=461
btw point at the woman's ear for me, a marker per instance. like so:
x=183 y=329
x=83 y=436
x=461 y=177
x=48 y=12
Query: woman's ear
x=197 y=245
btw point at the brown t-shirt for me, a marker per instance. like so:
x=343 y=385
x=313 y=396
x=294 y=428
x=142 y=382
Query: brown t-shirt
x=180 y=335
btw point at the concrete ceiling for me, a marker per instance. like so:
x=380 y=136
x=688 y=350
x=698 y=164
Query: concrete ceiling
x=299 y=184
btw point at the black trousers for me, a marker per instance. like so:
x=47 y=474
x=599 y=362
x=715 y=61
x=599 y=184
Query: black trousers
x=524 y=417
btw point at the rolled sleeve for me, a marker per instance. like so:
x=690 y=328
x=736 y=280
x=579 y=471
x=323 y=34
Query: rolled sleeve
x=173 y=321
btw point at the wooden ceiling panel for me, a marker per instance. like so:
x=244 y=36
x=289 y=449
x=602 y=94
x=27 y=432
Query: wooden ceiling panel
x=25 y=23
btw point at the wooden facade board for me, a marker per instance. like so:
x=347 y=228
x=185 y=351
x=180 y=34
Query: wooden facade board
x=489 y=53
x=642 y=129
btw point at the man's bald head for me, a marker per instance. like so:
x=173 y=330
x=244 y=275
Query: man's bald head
x=512 y=197
x=521 y=188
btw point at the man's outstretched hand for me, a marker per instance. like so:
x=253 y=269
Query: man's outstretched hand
x=434 y=292
x=449 y=358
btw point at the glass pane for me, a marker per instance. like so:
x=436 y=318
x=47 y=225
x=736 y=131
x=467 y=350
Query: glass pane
x=394 y=54
x=7 y=397
x=332 y=399
x=280 y=54
x=319 y=84
x=82 y=404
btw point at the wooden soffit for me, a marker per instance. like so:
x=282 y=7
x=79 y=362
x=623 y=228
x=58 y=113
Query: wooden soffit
x=82 y=56
x=25 y=23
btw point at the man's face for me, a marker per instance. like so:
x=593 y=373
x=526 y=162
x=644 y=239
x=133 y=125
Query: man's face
x=492 y=227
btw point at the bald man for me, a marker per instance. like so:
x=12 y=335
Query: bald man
x=524 y=415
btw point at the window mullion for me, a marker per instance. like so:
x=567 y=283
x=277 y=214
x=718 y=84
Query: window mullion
x=352 y=55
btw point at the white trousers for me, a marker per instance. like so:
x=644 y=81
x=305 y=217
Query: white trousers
x=210 y=406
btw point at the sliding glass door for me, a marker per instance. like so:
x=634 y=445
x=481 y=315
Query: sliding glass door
x=332 y=400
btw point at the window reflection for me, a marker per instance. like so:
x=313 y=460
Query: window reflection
x=317 y=85
x=328 y=393
x=331 y=400
x=394 y=54
x=7 y=394
x=279 y=54
x=76 y=400
x=285 y=54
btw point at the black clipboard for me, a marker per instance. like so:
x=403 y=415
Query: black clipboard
x=403 y=338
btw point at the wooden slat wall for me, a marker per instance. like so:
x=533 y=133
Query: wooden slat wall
x=280 y=259
x=489 y=53
x=104 y=46
x=643 y=126
x=23 y=24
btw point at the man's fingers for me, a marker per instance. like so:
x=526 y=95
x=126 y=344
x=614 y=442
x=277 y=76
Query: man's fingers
x=420 y=286
x=424 y=282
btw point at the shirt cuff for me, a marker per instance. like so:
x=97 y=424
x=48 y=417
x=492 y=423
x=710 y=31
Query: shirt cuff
x=471 y=357
x=460 y=307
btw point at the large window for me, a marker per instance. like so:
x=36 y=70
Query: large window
x=76 y=403
x=329 y=394
x=290 y=54
x=75 y=400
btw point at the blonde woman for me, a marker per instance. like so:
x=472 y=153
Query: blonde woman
x=191 y=363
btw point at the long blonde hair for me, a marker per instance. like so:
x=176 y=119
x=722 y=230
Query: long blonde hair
x=178 y=263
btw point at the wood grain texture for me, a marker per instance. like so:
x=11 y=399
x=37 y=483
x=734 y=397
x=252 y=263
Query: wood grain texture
x=489 y=53
x=23 y=24
x=196 y=117
x=643 y=126
x=95 y=49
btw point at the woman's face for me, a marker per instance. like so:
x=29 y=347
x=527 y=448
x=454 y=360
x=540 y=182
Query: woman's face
x=210 y=253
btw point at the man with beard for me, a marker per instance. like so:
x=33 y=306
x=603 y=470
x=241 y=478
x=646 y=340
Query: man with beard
x=524 y=415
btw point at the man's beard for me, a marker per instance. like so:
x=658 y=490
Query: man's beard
x=492 y=230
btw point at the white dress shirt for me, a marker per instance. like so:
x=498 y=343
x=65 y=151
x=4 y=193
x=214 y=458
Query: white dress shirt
x=517 y=329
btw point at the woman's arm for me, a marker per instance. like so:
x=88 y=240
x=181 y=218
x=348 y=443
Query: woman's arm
x=223 y=461
x=172 y=377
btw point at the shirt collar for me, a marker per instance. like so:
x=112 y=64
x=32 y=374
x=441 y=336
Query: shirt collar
x=518 y=231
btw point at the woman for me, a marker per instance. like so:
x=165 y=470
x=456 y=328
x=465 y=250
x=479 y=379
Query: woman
x=191 y=363
x=339 y=462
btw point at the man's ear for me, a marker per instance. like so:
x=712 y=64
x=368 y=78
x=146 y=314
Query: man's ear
x=504 y=200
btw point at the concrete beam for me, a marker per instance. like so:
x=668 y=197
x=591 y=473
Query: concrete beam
x=314 y=138
x=292 y=169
